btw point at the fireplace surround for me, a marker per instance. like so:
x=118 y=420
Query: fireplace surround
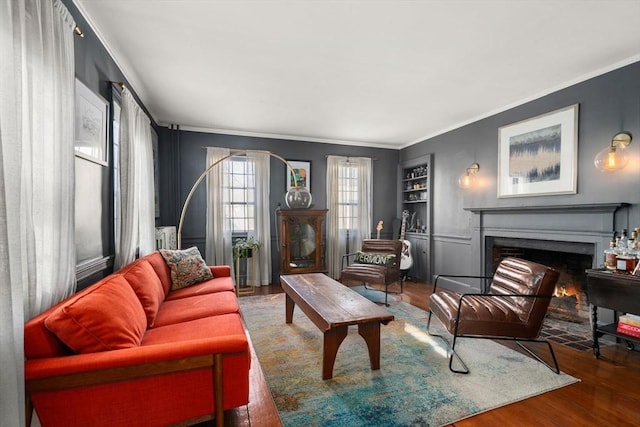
x=583 y=230
x=566 y=225
x=571 y=259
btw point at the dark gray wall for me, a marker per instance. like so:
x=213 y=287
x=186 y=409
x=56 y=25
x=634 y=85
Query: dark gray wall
x=183 y=160
x=607 y=104
x=94 y=192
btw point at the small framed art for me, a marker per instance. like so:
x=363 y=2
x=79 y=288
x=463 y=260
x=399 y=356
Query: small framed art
x=91 y=133
x=301 y=173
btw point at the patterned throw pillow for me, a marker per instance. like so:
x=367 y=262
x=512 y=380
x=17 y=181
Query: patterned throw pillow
x=375 y=259
x=187 y=267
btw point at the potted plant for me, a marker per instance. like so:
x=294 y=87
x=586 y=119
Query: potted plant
x=244 y=247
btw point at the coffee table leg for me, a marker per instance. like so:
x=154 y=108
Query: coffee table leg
x=332 y=340
x=371 y=333
x=289 y=304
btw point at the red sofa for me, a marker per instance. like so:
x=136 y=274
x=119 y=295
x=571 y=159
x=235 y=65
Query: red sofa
x=128 y=351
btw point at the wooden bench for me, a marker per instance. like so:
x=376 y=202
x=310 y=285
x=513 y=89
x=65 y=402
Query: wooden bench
x=332 y=307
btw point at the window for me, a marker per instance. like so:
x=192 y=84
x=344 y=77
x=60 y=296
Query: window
x=240 y=184
x=348 y=198
x=349 y=203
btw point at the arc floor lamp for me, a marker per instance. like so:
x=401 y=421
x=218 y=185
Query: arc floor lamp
x=296 y=198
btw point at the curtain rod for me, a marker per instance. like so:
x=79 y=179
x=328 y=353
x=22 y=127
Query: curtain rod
x=327 y=155
x=239 y=150
x=349 y=157
x=78 y=31
x=121 y=84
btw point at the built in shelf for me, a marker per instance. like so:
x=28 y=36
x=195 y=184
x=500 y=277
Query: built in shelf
x=416 y=178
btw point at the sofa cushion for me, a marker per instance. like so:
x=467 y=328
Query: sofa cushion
x=161 y=268
x=147 y=286
x=187 y=267
x=203 y=328
x=108 y=318
x=206 y=305
x=211 y=286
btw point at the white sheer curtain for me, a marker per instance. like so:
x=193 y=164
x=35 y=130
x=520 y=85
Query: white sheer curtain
x=136 y=202
x=260 y=271
x=349 y=203
x=37 y=241
x=218 y=228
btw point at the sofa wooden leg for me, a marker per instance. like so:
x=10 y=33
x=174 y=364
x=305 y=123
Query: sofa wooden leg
x=28 y=410
x=217 y=390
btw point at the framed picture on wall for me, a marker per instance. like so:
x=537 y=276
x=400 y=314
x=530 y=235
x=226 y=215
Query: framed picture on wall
x=301 y=173
x=539 y=156
x=91 y=133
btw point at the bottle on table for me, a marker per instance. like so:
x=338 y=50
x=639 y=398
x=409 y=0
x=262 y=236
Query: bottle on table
x=610 y=256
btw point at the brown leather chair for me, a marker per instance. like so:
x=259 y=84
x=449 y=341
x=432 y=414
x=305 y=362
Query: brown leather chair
x=513 y=309
x=374 y=274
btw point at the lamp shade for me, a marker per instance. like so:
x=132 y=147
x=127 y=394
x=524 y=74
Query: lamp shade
x=611 y=159
x=298 y=198
x=465 y=180
x=469 y=176
x=614 y=156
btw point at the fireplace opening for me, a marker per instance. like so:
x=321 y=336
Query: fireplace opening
x=570 y=301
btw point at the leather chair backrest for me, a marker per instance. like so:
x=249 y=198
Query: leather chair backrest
x=517 y=276
x=385 y=247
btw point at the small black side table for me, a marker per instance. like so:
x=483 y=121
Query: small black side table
x=618 y=292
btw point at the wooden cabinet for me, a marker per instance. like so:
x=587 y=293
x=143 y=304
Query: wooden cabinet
x=301 y=238
x=416 y=198
x=618 y=292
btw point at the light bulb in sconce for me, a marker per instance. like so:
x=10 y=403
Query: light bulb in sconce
x=614 y=157
x=468 y=177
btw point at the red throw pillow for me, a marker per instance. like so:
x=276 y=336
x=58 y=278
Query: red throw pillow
x=108 y=318
x=147 y=286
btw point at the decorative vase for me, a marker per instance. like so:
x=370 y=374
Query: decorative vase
x=298 y=198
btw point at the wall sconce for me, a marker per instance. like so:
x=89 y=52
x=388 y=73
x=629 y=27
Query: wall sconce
x=614 y=157
x=468 y=177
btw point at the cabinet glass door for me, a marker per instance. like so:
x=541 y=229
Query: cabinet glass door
x=303 y=244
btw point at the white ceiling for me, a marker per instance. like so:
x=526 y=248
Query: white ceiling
x=383 y=73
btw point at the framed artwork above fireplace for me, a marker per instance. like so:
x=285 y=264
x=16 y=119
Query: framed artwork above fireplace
x=539 y=156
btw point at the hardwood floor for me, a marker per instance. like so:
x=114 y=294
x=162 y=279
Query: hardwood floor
x=607 y=395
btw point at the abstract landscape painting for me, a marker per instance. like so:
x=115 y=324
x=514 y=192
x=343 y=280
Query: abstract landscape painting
x=538 y=156
x=535 y=156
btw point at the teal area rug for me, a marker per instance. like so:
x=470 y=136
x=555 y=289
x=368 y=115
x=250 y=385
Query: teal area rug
x=373 y=294
x=413 y=387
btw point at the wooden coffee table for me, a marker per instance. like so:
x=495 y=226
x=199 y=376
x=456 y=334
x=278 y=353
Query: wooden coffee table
x=332 y=307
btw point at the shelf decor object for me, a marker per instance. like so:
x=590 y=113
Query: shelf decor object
x=539 y=156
